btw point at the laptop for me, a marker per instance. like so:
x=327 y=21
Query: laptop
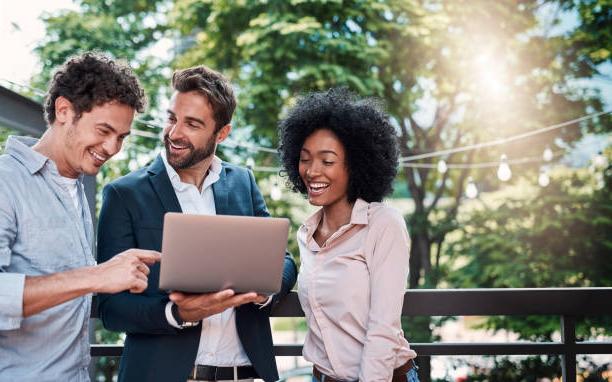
x=209 y=253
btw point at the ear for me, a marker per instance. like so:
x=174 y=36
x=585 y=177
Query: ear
x=223 y=133
x=64 y=111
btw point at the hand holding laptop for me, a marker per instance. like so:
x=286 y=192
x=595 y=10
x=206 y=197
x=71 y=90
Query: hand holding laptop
x=195 y=307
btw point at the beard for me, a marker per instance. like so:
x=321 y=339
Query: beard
x=192 y=157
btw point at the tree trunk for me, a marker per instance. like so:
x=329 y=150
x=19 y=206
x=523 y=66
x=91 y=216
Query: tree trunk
x=420 y=250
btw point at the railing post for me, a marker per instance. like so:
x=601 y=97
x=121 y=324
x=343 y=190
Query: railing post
x=568 y=358
x=424 y=364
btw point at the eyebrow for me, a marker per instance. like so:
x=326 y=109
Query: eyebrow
x=188 y=118
x=321 y=151
x=108 y=126
x=196 y=120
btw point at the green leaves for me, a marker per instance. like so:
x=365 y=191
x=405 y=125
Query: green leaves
x=547 y=237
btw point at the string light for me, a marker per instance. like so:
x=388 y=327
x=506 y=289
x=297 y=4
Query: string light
x=600 y=161
x=503 y=171
x=442 y=167
x=543 y=178
x=501 y=141
x=453 y=166
x=547 y=155
x=471 y=191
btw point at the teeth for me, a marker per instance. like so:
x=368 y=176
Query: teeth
x=97 y=156
x=318 y=185
x=177 y=147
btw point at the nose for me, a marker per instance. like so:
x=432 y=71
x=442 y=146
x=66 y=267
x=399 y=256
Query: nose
x=112 y=146
x=313 y=170
x=175 y=131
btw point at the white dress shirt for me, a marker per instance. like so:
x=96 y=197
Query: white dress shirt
x=219 y=342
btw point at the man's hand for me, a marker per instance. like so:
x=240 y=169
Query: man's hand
x=195 y=307
x=261 y=298
x=126 y=271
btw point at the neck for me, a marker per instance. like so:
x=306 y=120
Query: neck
x=337 y=214
x=50 y=145
x=197 y=173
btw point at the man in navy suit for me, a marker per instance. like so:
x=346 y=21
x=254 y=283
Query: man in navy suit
x=179 y=337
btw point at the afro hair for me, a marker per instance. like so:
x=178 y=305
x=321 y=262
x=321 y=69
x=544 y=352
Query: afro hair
x=369 y=140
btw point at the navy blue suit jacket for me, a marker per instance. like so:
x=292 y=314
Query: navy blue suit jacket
x=132 y=217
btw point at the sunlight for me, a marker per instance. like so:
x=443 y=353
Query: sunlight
x=491 y=77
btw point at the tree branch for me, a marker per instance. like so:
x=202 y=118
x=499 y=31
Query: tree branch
x=438 y=195
x=441 y=119
x=419 y=133
x=415 y=191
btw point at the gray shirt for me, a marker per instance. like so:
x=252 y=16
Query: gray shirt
x=41 y=232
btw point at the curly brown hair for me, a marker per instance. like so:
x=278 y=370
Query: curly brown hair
x=92 y=79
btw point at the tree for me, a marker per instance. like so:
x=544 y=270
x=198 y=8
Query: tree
x=558 y=236
x=451 y=73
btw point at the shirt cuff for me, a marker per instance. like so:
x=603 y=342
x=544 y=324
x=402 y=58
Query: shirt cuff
x=11 y=300
x=264 y=304
x=170 y=317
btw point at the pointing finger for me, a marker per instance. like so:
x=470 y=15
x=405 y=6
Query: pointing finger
x=148 y=257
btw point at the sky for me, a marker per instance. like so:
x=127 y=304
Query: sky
x=21 y=28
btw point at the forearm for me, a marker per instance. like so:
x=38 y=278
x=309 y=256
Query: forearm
x=44 y=292
x=289 y=279
x=125 y=312
x=388 y=268
x=379 y=356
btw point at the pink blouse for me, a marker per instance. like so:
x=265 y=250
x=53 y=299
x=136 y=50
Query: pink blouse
x=352 y=290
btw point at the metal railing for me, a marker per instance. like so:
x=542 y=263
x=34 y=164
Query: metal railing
x=566 y=303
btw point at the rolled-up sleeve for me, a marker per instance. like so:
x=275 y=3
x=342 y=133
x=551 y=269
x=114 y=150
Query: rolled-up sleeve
x=11 y=284
x=388 y=268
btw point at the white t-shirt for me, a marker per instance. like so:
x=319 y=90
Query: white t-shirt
x=71 y=185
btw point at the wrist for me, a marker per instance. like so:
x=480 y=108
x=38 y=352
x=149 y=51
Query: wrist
x=179 y=320
x=176 y=314
x=91 y=278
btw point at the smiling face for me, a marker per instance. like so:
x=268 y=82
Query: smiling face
x=92 y=139
x=190 y=134
x=323 y=169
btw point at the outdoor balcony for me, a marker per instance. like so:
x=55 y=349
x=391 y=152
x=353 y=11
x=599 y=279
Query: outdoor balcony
x=569 y=304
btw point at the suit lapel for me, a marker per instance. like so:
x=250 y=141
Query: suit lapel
x=220 y=191
x=162 y=185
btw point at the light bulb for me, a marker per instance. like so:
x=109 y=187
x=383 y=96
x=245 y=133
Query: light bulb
x=600 y=161
x=470 y=190
x=250 y=162
x=442 y=167
x=276 y=193
x=547 y=155
x=543 y=179
x=503 y=171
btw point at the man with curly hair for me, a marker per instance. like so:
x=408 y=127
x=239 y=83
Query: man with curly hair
x=47 y=268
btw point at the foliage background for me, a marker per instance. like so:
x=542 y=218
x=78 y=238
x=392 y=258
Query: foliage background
x=451 y=73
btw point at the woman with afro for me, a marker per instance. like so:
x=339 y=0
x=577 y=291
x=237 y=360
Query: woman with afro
x=341 y=152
